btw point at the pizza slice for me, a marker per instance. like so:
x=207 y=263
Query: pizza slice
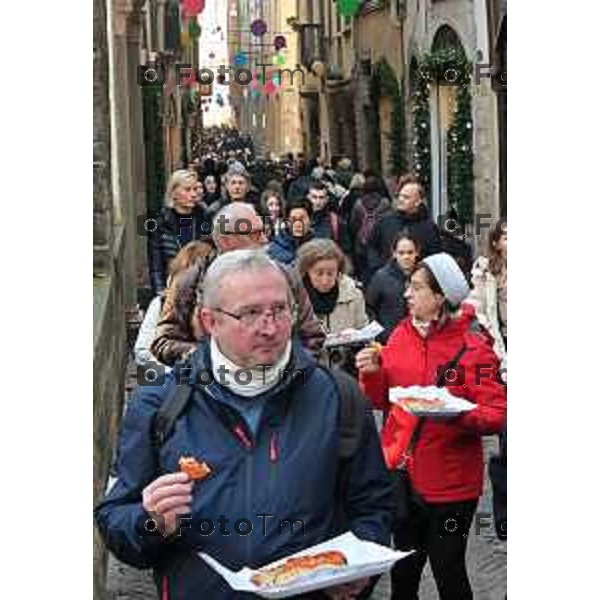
x=294 y=568
x=197 y=470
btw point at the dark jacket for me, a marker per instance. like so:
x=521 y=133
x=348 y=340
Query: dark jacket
x=328 y=224
x=284 y=247
x=166 y=241
x=175 y=336
x=288 y=470
x=420 y=225
x=385 y=297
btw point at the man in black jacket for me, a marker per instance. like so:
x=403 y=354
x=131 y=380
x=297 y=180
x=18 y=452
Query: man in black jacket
x=410 y=214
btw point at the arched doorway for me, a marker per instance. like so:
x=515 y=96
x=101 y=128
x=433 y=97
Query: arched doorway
x=442 y=109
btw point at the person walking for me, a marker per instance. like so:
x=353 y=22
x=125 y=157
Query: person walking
x=385 y=295
x=410 y=213
x=441 y=459
x=336 y=300
x=179 y=223
x=272 y=446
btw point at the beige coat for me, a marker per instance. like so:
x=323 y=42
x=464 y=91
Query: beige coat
x=484 y=298
x=349 y=311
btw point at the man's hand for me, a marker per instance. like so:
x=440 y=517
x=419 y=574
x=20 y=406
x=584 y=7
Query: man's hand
x=348 y=591
x=168 y=496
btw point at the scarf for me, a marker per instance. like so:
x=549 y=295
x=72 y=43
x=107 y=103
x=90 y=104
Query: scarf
x=323 y=304
x=262 y=378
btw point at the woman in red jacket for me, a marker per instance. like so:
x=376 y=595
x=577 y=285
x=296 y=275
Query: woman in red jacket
x=445 y=466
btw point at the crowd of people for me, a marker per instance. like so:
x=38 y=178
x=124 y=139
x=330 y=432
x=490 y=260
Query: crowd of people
x=254 y=265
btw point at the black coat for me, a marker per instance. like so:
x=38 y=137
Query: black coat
x=385 y=297
x=419 y=225
x=165 y=242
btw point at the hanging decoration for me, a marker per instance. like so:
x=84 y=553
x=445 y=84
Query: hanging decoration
x=240 y=59
x=194 y=29
x=280 y=42
x=192 y=8
x=185 y=38
x=281 y=59
x=348 y=8
x=258 y=28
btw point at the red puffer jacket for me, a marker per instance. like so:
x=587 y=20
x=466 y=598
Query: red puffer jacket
x=447 y=462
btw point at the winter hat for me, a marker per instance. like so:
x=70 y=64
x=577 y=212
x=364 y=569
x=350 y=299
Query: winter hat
x=449 y=277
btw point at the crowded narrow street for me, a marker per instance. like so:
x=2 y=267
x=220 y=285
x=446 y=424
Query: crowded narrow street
x=300 y=299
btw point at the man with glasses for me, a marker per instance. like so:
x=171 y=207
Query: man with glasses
x=235 y=227
x=268 y=441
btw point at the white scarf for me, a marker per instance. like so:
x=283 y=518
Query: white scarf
x=262 y=378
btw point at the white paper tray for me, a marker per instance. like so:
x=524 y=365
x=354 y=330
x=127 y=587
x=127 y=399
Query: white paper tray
x=452 y=404
x=364 y=560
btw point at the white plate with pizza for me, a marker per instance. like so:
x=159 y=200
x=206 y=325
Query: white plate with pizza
x=429 y=401
x=340 y=560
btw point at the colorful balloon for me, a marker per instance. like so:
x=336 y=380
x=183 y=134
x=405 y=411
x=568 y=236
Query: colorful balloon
x=348 y=8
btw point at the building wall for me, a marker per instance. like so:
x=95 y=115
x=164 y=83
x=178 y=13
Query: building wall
x=423 y=21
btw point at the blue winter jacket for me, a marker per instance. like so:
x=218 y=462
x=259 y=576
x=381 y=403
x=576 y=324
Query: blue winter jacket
x=269 y=495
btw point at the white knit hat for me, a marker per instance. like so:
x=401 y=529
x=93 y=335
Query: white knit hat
x=449 y=277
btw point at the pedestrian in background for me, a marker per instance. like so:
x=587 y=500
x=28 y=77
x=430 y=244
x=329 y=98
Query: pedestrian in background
x=336 y=300
x=298 y=231
x=410 y=213
x=490 y=294
x=385 y=297
x=179 y=223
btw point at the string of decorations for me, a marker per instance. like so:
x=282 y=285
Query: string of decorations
x=448 y=66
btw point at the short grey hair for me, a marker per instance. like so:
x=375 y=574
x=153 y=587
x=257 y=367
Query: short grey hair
x=233 y=212
x=232 y=263
x=237 y=168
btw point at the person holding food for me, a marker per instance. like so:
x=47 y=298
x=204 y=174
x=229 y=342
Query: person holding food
x=336 y=300
x=251 y=469
x=442 y=458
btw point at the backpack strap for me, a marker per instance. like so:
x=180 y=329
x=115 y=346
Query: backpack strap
x=170 y=410
x=352 y=413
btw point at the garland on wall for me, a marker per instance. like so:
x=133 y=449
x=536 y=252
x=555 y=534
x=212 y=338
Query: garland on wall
x=421 y=127
x=451 y=65
x=460 y=158
x=384 y=83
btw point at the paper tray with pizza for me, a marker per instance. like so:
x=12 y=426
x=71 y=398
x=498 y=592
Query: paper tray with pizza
x=340 y=560
x=429 y=401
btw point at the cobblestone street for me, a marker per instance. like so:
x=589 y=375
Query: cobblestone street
x=486 y=560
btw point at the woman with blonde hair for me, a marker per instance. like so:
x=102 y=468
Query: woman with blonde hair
x=179 y=223
x=186 y=257
x=336 y=300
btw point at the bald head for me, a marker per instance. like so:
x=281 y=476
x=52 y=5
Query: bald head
x=237 y=226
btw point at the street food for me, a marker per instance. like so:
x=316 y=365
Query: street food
x=422 y=405
x=197 y=470
x=293 y=568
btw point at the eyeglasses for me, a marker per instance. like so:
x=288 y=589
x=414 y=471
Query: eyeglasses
x=279 y=313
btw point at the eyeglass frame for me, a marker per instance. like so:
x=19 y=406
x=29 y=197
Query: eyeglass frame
x=292 y=311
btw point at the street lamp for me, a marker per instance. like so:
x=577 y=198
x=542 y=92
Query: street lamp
x=312 y=48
